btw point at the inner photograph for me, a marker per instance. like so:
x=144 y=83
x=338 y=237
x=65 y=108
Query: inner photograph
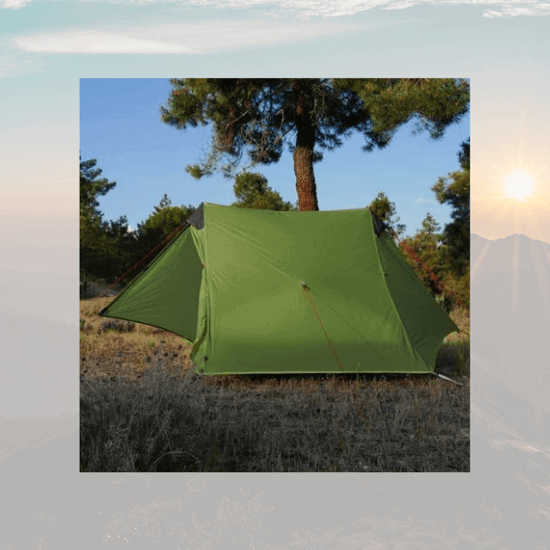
x=275 y=275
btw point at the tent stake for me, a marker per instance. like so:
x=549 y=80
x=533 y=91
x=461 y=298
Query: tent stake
x=445 y=378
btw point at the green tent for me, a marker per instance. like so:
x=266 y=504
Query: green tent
x=257 y=291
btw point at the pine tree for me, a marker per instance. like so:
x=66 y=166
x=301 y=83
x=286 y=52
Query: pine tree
x=455 y=190
x=387 y=212
x=426 y=246
x=309 y=116
x=160 y=223
x=164 y=219
x=164 y=203
x=100 y=242
x=252 y=191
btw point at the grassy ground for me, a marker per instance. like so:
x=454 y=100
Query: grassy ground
x=143 y=409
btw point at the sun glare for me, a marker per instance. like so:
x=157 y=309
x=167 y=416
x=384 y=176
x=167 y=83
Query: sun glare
x=519 y=185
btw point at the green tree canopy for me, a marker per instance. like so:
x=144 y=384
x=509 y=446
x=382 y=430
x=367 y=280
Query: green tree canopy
x=160 y=223
x=430 y=227
x=455 y=191
x=386 y=211
x=90 y=189
x=164 y=219
x=429 y=252
x=104 y=246
x=309 y=116
x=252 y=191
x=426 y=247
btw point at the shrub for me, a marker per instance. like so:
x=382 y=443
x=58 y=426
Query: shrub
x=118 y=325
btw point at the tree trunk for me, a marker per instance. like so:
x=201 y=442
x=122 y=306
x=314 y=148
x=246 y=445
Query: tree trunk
x=303 y=159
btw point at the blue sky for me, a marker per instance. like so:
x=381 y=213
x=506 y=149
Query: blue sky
x=120 y=127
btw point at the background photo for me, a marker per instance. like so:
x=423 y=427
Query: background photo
x=502 y=47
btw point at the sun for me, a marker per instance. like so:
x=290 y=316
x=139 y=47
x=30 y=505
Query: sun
x=519 y=185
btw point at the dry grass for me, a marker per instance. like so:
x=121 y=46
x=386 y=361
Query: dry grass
x=143 y=409
x=461 y=317
x=110 y=353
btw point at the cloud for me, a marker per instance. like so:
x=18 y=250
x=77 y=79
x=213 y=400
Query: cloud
x=529 y=8
x=509 y=8
x=176 y=38
x=91 y=42
x=424 y=202
x=334 y=8
x=14 y=4
x=492 y=13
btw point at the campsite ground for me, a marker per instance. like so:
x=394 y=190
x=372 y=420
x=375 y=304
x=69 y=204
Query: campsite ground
x=143 y=409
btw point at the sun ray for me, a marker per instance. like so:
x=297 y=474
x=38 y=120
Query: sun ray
x=479 y=259
x=485 y=208
x=515 y=272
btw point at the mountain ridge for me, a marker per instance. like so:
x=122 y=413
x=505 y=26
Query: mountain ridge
x=508 y=237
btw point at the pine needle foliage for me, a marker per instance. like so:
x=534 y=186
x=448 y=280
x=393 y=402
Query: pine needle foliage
x=260 y=117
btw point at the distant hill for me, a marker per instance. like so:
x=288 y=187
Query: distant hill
x=510 y=319
x=510 y=293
